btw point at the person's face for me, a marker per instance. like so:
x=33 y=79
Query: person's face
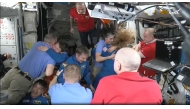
x=81 y=57
x=53 y=42
x=81 y=9
x=109 y=39
x=147 y=37
x=56 y=48
x=37 y=90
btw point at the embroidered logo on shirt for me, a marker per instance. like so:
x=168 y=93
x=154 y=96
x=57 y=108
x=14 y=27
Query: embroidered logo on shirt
x=25 y=101
x=105 y=49
x=64 y=64
x=36 y=102
x=83 y=66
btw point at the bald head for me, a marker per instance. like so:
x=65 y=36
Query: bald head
x=148 y=35
x=126 y=59
x=81 y=7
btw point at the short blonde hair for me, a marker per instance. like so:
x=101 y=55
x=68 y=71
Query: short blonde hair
x=72 y=71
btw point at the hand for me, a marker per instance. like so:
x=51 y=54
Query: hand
x=58 y=72
x=43 y=48
x=92 y=88
x=71 y=30
x=8 y=56
x=112 y=56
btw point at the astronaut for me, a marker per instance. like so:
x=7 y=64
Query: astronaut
x=107 y=35
x=35 y=96
x=123 y=38
x=80 y=59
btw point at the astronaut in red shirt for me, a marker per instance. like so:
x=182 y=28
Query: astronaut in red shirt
x=147 y=50
x=127 y=87
x=85 y=24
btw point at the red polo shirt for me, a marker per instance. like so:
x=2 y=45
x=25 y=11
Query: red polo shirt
x=148 y=50
x=84 y=22
x=127 y=88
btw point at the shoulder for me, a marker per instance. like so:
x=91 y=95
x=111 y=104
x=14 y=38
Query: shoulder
x=107 y=79
x=72 y=10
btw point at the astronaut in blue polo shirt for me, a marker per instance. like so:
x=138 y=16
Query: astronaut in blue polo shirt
x=35 y=96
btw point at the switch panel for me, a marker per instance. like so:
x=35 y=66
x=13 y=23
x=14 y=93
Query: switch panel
x=13 y=51
x=7 y=33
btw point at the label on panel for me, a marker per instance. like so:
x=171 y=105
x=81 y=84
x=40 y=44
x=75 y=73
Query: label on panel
x=7 y=33
x=13 y=51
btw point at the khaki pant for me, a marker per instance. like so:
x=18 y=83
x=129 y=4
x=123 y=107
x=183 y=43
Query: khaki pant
x=16 y=84
x=95 y=72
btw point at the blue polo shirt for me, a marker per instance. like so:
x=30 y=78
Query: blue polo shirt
x=28 y=100
x=72 y=93
x=101 y=44
x=84 y=67
x=35 y=61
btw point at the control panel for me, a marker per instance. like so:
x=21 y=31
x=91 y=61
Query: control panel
x=8 y=40
x=7 y=33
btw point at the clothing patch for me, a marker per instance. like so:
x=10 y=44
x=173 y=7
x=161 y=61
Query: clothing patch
x=105 y=49
x=83 y=66
x=37 y=102
x=26 y=101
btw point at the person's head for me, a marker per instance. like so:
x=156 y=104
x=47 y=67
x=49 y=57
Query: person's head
x=38 y=88
x=72 y=73
x=123 y=38
x=80 y=7
x=148 y=35
x=82 y=53
x=107 y=33
x=126 y=60
x=60 y=46
x=50 y=39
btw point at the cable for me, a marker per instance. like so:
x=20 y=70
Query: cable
x=142 y=11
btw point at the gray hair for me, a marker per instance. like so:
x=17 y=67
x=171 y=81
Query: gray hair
x=49 y=38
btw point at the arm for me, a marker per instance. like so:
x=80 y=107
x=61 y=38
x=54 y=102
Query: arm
x=99 y=94
x=87 y=74
x=5 y=56
x=60 y=78
x=138 y=49
x=58 y=58
x=98 y=53
x=71 y=19
x=54 y=80
x=71 y=22
x=49 y=69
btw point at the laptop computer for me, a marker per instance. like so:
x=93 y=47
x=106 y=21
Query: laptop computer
x=165 y=59
x=184 y=76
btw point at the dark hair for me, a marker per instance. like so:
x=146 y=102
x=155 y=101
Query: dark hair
x=82 y=50
x=42 y=83
x=107 y=30
x=63 y=45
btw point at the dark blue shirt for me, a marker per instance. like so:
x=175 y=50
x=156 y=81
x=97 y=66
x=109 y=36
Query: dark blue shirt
x=58 y=58
x=28 y=100
x=84 y=67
